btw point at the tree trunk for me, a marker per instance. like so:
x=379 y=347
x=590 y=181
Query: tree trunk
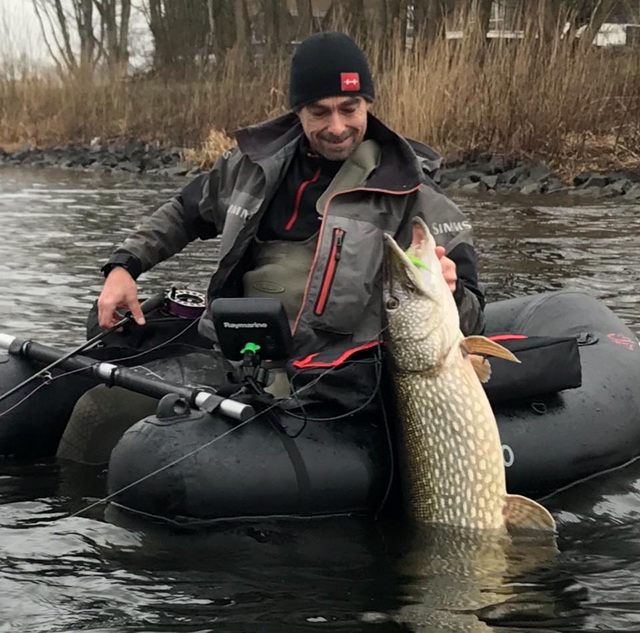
x=123 y=37
x=241 y=19
x=56 y=25
x=84 y=24
x=348 y=15
x=116 y=32
x=544 y=21
x=597 y=17
x=483 y=11
x=155 y=18
x=435 y=19
x=181 y=31
x=60 y=51
x=273 y=31
x=398 y=21
x=305 y=17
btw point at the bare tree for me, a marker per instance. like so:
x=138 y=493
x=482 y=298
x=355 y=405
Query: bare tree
x=79 y=34
x=396 y=18
x=543 y=21
x=430 y=19
x=190 y=34
x=115 y=16
x=483 y=11
x=561 y=19
x=83 y=10
x=346 y=15
x=380 y=19
x=57 y=25
x=277 y=25
x=594 y=14
x=243 y=27
x=305 y=17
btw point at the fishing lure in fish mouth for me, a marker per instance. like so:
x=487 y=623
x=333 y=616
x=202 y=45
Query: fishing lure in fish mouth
x=415 y=260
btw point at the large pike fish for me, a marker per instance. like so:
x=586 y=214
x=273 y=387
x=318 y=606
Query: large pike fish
x=453 y=469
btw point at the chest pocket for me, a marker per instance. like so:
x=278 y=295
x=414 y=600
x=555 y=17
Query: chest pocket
x=344 y=278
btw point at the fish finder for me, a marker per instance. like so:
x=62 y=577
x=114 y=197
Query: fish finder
x=256 y=326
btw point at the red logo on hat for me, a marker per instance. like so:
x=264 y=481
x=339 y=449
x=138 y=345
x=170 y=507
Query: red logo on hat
x=349 y=81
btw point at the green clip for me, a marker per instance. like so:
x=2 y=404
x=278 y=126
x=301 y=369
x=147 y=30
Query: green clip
x=417 y=262
x=250 y=347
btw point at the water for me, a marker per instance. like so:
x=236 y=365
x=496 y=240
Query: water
x=97 y=572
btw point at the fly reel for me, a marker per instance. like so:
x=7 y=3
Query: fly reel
x=185 y=303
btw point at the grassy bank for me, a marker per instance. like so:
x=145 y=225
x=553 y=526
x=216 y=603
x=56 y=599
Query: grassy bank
x=572 y=106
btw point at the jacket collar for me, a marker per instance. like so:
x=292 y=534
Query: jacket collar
x=401 y=163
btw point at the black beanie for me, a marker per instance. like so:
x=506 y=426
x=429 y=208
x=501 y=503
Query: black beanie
x=328 y=65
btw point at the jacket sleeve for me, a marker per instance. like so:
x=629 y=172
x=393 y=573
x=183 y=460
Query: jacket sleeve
x=469 y=294
x=451 y=229
x=196 y=212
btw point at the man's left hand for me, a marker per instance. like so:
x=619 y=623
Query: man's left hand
x=448 y=268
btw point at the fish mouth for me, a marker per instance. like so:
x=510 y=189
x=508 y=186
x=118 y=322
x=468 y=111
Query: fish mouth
x=401 y=271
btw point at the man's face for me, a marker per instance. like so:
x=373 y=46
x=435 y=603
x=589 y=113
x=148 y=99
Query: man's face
x=335 y=126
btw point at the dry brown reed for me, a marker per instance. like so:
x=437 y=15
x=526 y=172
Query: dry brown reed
x=560 y=101
x=572 y=105
x=214 y=145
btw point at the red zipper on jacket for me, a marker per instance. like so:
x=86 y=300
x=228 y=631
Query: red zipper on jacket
x=315 y=256
x=330 y=271
x=296 y=203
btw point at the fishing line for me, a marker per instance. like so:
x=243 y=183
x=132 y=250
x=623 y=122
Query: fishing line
x=159 y=346
x=600 y=473
x=294 y=395
x=376 y=393
x=162 y=468
x=31 y=393
x=378 y=367
x=45 y=383
x=191 y=453
x=392 y=460
x=51 y=379
x=378 y=363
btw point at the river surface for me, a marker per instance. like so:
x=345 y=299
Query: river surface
x=66 y=569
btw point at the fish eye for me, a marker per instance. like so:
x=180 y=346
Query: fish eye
x=392 y=303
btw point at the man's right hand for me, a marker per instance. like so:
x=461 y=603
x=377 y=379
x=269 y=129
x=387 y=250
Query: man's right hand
x=119 y=290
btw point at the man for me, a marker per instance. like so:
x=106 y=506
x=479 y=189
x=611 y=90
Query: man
x=301 y=206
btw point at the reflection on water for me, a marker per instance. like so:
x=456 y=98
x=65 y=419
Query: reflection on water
x=62 y=572
x=529 y=246
x=58 y=228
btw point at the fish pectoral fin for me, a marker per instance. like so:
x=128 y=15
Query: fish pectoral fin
x=521 y=513
x=486 y=347
x=481 y=366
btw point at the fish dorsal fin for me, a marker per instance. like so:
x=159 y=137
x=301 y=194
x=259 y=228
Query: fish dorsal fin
x=481 y=366
x=521 y=513
x=486 y=347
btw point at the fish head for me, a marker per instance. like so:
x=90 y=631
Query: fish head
x=422 y=317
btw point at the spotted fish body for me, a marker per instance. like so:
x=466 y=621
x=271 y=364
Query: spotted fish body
x=453 y=468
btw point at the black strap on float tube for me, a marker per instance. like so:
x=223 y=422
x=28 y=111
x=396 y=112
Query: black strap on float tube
x=254 y=379
x=151 y=304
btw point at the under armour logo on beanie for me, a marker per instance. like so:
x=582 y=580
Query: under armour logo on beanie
x=328 y=65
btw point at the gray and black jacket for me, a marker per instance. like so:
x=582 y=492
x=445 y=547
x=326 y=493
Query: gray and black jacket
x=381 y=188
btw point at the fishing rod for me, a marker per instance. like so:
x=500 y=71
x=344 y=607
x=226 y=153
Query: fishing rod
x=116 y=375
x=151 y=304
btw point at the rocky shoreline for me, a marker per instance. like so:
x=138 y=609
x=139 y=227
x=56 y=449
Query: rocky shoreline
x=483 y=174
x=499 y=174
